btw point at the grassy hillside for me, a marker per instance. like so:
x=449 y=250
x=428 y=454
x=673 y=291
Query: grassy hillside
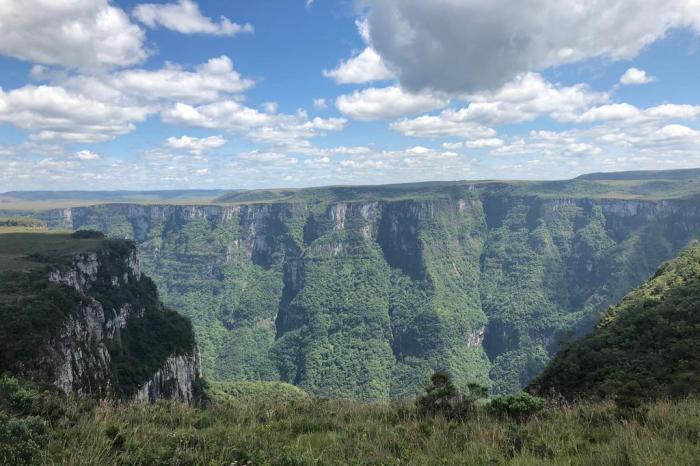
x=647 y=346
x=40 y=428
x=30 y=250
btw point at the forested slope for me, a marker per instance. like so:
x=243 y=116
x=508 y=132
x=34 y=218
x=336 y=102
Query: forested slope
x=647 y=346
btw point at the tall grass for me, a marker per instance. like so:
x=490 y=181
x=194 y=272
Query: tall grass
x=334 y=432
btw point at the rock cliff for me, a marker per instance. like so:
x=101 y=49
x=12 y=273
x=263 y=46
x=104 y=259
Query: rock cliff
x=105 y=332
x=365 y=296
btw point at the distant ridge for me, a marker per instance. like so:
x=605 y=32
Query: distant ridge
x=111 y=195
x=681 y=174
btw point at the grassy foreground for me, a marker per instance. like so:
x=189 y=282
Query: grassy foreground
x=37 y=428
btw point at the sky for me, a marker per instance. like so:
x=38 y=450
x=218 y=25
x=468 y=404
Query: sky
x=98 y=94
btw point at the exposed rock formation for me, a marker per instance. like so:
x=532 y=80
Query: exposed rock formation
x=110 y=299
x=443 y=280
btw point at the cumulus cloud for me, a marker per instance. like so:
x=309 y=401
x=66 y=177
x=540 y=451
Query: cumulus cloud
x=53 y=113
x=320 y=104
x=472 y=45
x=445 y=124
x=629 y=114
x=364 y=67
x=635 y=76
x=548 y=144
x=524 y=99
x=388 y=102
x=195 y=146
x=85 y=34
x=488 y=143
x=86 y=155
x=232 y=116
x=207 y=82
x=186 y=18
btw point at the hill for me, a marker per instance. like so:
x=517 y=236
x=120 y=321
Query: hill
x=648 y=345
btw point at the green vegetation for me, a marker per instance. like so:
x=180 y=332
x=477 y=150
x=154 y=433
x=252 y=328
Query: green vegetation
x=363 y=292
x=39 y=427
x=256 y=390
x=18 y=224
x=24 y=251
x=34 y=310
x=647 y=346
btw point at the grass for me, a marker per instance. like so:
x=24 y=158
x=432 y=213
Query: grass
x=23 y=250
x=334 y=432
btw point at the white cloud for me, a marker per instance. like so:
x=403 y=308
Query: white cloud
x=87 y=155
x=488 y=143
x=270 y=107
x=194 y=145
x=446 y=124
x=260 y=127
x=388 y=102
x=320 y=104
x=635 y=76
x=85 y=34
x=268 y=158
x=186 y=18
x=365 y=67
x=53 y=113
x=625 y=113
x=548 y=145
x=610 y=112
x=471 y=45
x=524 y=99
x=207 y=82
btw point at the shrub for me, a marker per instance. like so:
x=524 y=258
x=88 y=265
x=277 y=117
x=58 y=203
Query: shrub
x=21 y=439
x=442 y=397
x=520 y=406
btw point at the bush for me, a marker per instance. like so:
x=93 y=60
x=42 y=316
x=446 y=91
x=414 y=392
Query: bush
x=88 y=234
x=17 y=398
x=21 y=439
x=520 y=406
x=442 y=397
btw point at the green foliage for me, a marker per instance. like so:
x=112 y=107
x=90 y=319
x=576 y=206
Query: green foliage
x=33 y=308
x=647 y=346
x=520 y=406
x=443 y=398
x=24 y=222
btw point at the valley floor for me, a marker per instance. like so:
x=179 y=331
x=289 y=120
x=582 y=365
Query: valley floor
x=307 y=431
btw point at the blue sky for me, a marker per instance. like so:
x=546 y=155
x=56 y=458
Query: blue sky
x=269 y=93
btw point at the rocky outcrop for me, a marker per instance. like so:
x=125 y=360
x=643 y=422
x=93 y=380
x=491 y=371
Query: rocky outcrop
x=175 y=380
x=80 y=357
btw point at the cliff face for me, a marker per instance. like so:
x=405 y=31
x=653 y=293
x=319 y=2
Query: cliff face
x=100 y=305
x=365 y=298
